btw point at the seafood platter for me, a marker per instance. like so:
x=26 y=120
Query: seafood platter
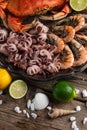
x=42 y=41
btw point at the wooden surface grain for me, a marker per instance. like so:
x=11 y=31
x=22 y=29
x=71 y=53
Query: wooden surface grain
x=10 y=120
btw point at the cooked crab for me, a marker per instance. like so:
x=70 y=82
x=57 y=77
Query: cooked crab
x=12 y=12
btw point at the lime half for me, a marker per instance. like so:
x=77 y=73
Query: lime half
x=18 y=89
x=78 y=5
x=64 y=91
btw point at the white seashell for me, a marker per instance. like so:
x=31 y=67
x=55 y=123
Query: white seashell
x=40 y=101
x=55 y=112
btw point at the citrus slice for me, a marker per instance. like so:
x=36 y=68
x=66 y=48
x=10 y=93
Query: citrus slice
x=64 y=91
x=5 y=78
x=78 y=5
x=18 y=89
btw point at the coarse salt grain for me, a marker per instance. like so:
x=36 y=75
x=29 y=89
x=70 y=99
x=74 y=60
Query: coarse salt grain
x=74 y=125
x=32 y=107
x=49 y=108
x=28 y=103
x=84 y=93
x=78 y=108
x=84 y=120
x=17 y=110
x=77 y=91
x=32 y=100
x=72 y=118
x=1 y=102
x=86 y=104
x=27 y=114
x=24 y=111
x=76 y=128
x=34 y=115
x=1 y=92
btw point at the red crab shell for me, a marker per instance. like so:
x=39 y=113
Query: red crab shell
x=30 y=7
x=13 y=12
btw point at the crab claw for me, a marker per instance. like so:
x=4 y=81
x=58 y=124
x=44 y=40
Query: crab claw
x=65 y=11
x=15 y=24
x=2 y=13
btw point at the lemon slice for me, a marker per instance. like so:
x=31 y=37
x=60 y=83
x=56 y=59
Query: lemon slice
x=78 y=5
x=18 y=89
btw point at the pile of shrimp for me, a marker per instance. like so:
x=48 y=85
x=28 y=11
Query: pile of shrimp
x=43 y=50
x=73 y=31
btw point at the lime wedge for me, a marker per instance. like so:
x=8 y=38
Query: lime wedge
x=78 y=5
x=18 y=89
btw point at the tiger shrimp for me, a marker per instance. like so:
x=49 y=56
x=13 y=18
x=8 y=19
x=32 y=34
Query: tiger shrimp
x=65 y=32
x=80 y=53
x=85 y=16
x=54 y=39
x=83 y=30
x=82 y=39
x=76 y=21
x=66 y=58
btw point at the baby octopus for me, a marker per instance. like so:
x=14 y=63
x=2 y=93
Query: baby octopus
x=33 y=52
x=3 y=34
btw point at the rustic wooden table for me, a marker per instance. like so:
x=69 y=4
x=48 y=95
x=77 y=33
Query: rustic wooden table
x=10 y=120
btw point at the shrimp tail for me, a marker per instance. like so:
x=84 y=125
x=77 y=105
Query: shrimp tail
x=54 y=39
x=67 y=58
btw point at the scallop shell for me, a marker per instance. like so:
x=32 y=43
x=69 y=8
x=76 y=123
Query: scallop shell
x=40 y=101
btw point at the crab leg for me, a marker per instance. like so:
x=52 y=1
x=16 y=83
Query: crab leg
x=65 y=11
x=2 y=13
x=15 y=24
